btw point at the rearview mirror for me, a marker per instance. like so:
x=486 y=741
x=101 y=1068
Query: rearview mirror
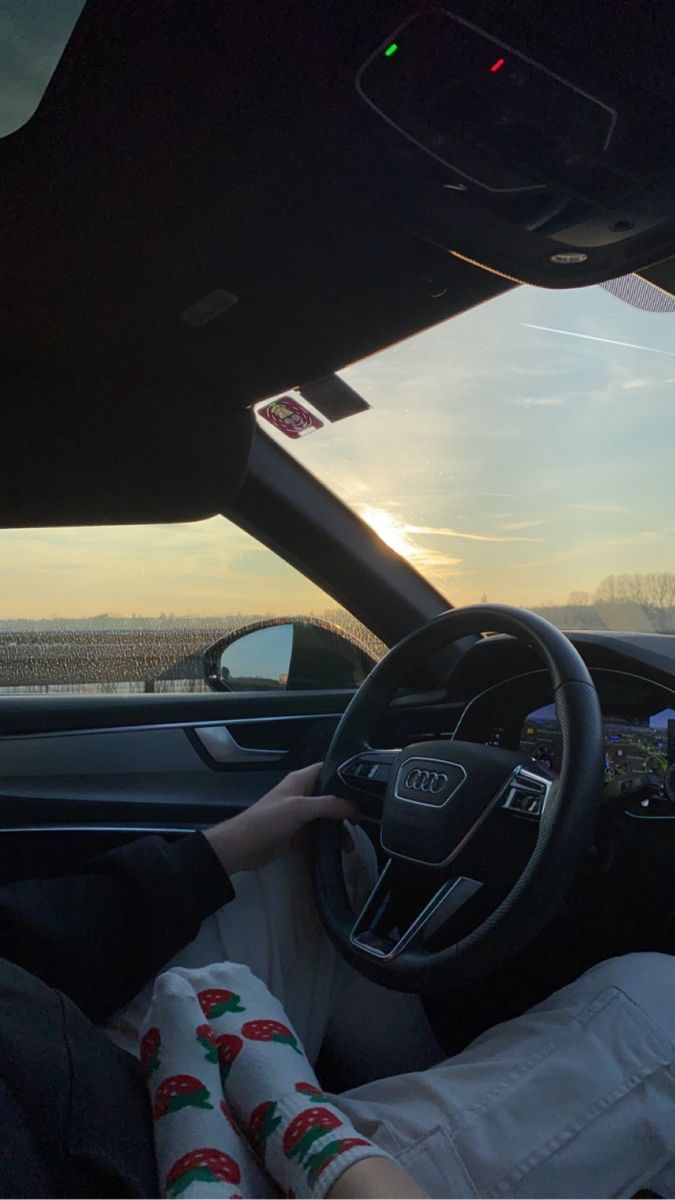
x=285 y=653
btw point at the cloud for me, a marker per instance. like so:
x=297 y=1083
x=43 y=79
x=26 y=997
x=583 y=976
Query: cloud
x=512 y=526
x=540 y=372
x=445 y=531
x=642 y=535
x=631 y=384
x=441 y=565
x=596 y=508
x=539 y=401
x=640 y=384
x=62 y=566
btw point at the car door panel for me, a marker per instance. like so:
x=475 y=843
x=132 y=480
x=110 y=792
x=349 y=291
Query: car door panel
x=77 y=776
x=80 y=774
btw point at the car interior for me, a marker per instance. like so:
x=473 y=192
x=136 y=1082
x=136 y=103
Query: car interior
x=205 y=207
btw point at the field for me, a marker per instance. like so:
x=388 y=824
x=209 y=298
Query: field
x=126 y=654
x=108 y=654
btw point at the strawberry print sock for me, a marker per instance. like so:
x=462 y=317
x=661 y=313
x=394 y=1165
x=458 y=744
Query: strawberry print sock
x=199 y=1148
x=304 y=1141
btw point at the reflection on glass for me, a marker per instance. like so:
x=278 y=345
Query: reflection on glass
x=258 y=660
x=32 y=39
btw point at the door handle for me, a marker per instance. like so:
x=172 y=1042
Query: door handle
x=222 y=747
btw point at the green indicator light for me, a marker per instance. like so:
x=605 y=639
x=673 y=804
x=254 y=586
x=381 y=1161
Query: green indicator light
x=391 y=50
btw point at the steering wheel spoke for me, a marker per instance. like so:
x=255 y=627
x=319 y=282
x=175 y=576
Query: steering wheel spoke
x=527 y=793
x=379 y=930
x=365 y=777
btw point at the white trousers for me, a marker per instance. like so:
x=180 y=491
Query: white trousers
x=576 y=1098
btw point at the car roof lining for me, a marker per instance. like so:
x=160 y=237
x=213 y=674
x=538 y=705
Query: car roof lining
x=153 y=173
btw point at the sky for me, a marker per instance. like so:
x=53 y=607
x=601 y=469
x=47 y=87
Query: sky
x=519 y=452
x=501 y=459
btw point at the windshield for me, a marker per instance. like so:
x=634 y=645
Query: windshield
x=522 y=453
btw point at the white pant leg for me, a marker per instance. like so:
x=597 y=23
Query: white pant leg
x=574 y=1098
x=273 y=927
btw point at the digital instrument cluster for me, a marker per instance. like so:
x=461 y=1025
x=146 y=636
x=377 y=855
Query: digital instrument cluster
x=639 y=750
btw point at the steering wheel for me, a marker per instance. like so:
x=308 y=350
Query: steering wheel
x=480 y=843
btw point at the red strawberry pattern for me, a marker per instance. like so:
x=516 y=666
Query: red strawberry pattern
x=229 y=1046
x=205 y=1166
x=180 y=1091
x=311 y=1091
x=318 y=1162
x=150 y=1044
x=222 y=1048
x=306 y=1128
x=269 y=1031
x=311 y=1138
x=216 y=1001
x=209 y=1040
x=262 y=1124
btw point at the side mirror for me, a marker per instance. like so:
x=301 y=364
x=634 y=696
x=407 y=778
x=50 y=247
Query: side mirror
x=284 y=653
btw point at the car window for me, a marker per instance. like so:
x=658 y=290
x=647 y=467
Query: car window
x=133 y=608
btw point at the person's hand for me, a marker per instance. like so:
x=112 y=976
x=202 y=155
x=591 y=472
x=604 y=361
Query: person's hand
x=272 y=826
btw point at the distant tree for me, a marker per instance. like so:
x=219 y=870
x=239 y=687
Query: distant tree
x=655 y=590
x=661 y=588
x=610 y=590
x=579 y=599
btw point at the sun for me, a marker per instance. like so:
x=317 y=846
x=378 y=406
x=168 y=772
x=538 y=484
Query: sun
x=431 y=563
x=390 y=530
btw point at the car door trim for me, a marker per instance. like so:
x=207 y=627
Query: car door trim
x=77 y=827
x=253 y=720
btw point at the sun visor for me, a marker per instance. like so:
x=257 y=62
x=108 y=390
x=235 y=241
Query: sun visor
x=67 y=458
x=333 y=397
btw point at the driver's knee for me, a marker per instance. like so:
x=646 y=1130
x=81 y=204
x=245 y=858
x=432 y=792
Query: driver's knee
x=648 y=979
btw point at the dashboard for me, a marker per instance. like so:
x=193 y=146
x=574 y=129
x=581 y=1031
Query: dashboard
x=516 y=712
x=500 y=693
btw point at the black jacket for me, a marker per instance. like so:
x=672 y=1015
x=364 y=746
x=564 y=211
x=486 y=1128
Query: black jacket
x=74 y=1111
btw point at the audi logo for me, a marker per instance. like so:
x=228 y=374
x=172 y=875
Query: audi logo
x=419 y=780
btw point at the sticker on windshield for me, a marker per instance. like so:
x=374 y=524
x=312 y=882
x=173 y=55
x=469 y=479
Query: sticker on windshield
x=289 y=416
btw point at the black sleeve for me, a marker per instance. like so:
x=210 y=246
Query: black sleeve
x=99 y=935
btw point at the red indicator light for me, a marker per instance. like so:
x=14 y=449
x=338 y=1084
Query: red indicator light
x=497 y=66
